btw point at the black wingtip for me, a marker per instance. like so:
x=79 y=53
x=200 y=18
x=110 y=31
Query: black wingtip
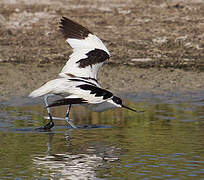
x=71 y=29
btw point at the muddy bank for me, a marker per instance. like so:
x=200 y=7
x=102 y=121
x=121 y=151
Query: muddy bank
x=20 y=80
x=152 y=43
x=139 y=33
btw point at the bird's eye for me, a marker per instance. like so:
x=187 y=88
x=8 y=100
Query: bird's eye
x=117 y=100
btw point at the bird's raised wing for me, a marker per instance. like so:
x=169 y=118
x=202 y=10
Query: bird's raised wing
x=89 y=52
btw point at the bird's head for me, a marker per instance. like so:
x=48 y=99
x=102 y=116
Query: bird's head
x=118 y=102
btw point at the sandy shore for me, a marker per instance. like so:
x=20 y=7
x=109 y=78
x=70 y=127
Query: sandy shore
x=156 y=46
x=20 y=80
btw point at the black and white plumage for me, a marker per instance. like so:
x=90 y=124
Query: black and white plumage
x=89 y=52
x=77 y=82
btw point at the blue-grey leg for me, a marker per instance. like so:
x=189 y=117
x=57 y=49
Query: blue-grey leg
x=67 y=117
x=51 y=123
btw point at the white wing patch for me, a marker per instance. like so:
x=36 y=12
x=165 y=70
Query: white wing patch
x=72 y=67
x=90 y=42
x=89 y=53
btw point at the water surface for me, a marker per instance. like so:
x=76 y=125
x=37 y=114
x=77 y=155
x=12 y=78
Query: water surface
x=164 y=142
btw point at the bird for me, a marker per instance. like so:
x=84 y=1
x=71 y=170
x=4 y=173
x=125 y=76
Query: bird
x=77 y=83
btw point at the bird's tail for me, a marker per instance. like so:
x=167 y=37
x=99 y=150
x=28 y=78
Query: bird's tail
x=43 y=90
x=47 y=88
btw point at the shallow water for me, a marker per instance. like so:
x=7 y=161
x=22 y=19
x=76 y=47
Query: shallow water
x=164 y=142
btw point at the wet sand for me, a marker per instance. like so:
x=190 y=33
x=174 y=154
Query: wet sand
x=20 y=80
x=156 y=46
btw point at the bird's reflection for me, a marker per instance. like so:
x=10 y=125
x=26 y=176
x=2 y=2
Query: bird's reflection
x=70 y=165
x=50 y=137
